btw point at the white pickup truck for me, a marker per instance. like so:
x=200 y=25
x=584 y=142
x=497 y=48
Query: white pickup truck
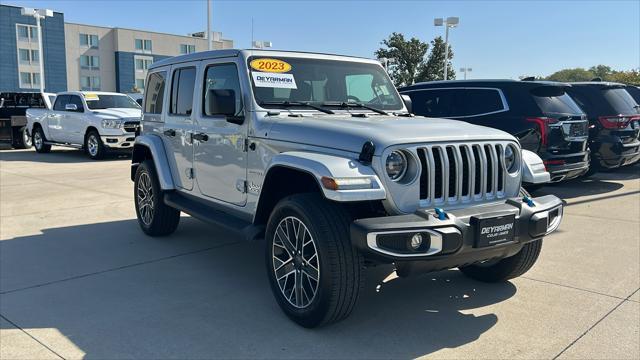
x=94 y=121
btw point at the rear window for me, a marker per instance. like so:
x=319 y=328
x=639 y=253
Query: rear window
x=621 y=101
x=554 y=100
x=480 y=102
x=154 y=93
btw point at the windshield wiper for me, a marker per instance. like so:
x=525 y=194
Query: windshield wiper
x=296 y=103
x=355 y=105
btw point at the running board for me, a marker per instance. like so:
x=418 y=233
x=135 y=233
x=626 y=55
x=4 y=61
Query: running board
x=212 y=215
x=63 y=144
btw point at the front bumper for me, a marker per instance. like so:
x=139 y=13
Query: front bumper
x=613 y=154
x=118 y=141
x=454 y=242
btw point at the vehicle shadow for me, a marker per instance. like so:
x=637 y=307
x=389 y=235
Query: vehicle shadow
x=599 y=183
x=57 y=155
x=107 y=291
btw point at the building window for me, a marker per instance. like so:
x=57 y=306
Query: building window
x=27 y=33
x=29 y=80
x=89 y=62
x=89 y=40
x=140 y=84
x=28 y=57
x=187 y=49
x=143 y=45
x=89 y=83
x=143 y=64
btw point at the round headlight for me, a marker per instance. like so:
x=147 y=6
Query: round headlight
x=396 y=165
x=510 y=159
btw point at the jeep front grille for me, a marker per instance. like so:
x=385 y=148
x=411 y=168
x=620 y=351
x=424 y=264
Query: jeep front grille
x=455 y=173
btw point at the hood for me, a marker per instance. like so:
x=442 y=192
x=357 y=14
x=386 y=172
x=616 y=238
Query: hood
x=122 y=113
x=349 y=133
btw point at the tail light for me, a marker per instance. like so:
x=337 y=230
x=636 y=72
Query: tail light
x=543 y=124
x=616 y=122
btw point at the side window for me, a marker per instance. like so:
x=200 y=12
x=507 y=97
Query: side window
x=438 y=103
x=61 y=102
x=219 y=77
x=182 y=91
x=480 y=101
x=155 y=93
x=75 y=99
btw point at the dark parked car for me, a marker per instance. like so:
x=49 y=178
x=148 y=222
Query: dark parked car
x=634 y=91
x=614 y=117
x=540 y=114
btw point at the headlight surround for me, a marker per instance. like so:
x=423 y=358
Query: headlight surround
x=511 y=159
x=396 y=165
x=111 y=124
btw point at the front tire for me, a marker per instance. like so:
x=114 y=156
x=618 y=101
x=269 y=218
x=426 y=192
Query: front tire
x=314 y=271
x=39 y=141
x=154 y=216
x=507 y=268
x=93 y=145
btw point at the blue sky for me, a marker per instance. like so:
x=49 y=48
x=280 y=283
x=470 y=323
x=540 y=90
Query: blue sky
x=498 y=39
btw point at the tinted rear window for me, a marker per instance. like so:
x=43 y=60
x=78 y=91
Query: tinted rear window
x=621 y=101
x=554 y=100
x=480 y=101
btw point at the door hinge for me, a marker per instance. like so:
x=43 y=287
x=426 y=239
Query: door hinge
x=245 y=146
x=241 y=185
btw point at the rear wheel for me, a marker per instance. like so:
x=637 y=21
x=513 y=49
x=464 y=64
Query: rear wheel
x=22 y=140
x=314 y=271
x=154 y=216
x=39 y=140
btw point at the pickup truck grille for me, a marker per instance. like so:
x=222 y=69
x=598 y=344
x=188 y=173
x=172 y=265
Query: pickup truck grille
x=455 y=173
x=131 y=126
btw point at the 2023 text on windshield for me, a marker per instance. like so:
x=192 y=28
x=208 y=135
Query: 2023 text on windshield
x=328 y=83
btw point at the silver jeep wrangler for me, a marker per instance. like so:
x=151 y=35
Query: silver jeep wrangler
x=319 y=155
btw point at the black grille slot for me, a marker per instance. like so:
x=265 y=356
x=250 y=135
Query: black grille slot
x=500 y=167
x=424 y=175
x=131 y=126
x=453 y=174
x=465 y=170
x=478 y=178
x=437 y=158
x=490 y=166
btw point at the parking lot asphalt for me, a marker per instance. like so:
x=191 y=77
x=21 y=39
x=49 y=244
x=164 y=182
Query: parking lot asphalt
x=78 y=279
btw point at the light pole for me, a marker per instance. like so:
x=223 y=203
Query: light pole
x=258 y=44
x=38 y=14
x=465 y=71
x=209 y=37
x=450 y=22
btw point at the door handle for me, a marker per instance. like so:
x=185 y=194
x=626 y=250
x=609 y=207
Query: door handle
x=170 y=132
x=200 y=137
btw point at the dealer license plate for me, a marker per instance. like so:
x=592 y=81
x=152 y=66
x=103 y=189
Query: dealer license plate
x=496 y=230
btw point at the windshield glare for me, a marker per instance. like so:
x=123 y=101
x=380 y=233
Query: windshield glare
x=111 y=101
x=319 y=81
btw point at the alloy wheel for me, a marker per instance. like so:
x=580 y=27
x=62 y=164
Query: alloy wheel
x=92 y=145
x=37 y=140
x=295 y=262
x=144 y=196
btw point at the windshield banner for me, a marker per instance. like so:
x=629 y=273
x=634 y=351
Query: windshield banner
x=274 y=80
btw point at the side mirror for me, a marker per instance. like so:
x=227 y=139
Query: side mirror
x=407 y=102
x=71 y=107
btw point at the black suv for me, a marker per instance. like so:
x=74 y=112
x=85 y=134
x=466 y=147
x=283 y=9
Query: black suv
x=614 y=117
x=540 y=114
x=634 y=91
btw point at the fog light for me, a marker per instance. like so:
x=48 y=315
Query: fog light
x=416 y=241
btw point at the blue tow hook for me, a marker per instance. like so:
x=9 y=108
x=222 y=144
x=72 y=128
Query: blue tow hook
x=528 y=201
x=441 y=214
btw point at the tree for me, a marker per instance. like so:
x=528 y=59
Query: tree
x=406 y=58
x=567 y=75
x=601 y=71
x=434 y=67
x=631 y=77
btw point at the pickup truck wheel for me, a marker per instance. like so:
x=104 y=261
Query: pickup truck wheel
x=39 y=139
x=93 y=145
x=314 y=271
x=154 y=216
x=507 y=268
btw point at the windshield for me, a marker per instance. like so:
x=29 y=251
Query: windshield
x=325 y=82
x=100 y=101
